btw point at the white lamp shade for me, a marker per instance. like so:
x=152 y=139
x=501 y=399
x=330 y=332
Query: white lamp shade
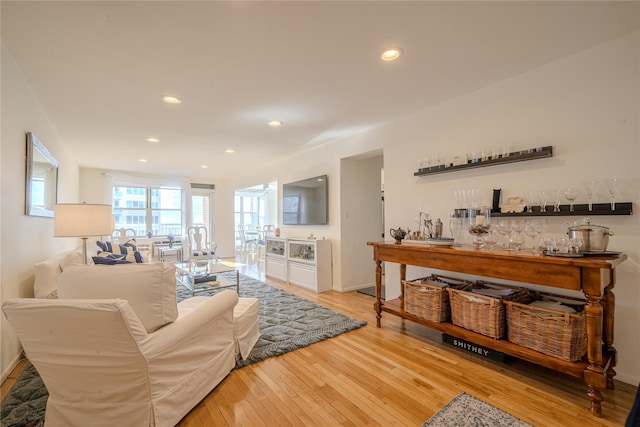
x=81 y=220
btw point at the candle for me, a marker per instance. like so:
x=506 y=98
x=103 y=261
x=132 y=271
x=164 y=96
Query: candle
x=479 y=219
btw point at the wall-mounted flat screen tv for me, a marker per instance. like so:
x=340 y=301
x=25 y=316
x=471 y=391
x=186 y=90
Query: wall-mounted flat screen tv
x=306 y=202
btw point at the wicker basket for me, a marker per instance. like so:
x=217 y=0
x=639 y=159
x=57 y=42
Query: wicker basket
x=554 y=333
x=427 y=297
x=483 y=314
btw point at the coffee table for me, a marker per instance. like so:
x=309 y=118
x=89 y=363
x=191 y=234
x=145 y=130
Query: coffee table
x=194 y=276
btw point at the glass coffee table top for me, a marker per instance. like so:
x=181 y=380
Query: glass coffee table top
x=204 y=276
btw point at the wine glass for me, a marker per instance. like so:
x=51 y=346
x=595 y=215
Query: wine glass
x=612 y=186
x=532 y=229
x=490 y=240
x=570 y=193
x=557 y=199
x=551 y=244
x=532 y=198
x=516 y=240
x=517 y=226
x=543 y=198
x=590 y=188
x=503 y=227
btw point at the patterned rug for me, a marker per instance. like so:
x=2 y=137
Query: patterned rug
x=468 y=411
x=286 y=321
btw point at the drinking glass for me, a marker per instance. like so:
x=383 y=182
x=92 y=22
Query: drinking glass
x=557 y=199
x=456 y=221
x=590 y=188
x=516 y=240
x=532 y=229
x=490 y=240
x=532 y=199
x=570 y=193
x=504 y=229
x=550 y=243
x=517 y=226
x=543 y=198
x=612 y=186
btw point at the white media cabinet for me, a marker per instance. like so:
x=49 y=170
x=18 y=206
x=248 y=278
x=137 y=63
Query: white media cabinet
x=301 y=262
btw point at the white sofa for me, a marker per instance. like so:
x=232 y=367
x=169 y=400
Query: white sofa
x=115 y=345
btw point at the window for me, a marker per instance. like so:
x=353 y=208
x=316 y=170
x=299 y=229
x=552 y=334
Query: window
x=148 y=210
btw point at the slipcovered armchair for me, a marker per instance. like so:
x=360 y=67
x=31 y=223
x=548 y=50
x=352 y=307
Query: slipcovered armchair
x=105 y=364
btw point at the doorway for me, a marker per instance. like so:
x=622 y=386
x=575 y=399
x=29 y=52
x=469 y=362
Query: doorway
x=255 y=207
x=362 y=217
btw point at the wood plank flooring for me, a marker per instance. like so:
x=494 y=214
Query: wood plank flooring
x=396 y=375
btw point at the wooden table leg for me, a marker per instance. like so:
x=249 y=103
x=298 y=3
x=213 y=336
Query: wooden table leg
x=377 y=306
x=403 y=277
x=594 y=375
x=608 y=305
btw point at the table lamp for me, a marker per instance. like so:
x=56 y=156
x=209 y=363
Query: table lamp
x=81 y=220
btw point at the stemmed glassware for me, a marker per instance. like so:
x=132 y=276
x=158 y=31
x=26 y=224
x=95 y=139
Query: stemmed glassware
x=503 y=227
x=516 y=239
x=570 y=193
x=532 y=198
x=543 y=198
x=590 y=188
x=612 y=186
x=532 y=229
x=557 y=200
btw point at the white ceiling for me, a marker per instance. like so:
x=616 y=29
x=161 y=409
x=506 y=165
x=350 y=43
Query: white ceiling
x=100 y=69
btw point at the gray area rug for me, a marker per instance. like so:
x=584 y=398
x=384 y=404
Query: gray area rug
x=286 y=322
x=468 y=411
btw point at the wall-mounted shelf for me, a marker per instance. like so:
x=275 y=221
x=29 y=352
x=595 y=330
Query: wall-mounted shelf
x=623 y=208
x=536 y=153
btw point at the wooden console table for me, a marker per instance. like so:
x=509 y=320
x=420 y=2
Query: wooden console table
x=593 y=275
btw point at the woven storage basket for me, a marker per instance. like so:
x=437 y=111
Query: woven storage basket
x=428 y=298
x=485 y=315
x=555 y=333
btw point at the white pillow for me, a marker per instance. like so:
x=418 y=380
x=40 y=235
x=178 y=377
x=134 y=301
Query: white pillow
x=149 y=288
x=47 y=273
x=72 y=258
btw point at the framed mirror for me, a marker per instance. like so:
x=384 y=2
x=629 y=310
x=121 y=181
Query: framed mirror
x=41 y=186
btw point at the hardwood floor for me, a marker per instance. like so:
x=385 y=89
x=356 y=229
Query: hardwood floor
x=399 y=374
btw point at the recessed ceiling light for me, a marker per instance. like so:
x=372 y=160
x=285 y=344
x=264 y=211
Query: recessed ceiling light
x=153 y=140
x=391 y=54
x=204 y=167
x=171 y=100
x=275 y=123
x=229 y=151
x=142 y=160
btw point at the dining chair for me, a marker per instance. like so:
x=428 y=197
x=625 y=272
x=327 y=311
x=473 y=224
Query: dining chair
x=200 y=248
x=247 y=241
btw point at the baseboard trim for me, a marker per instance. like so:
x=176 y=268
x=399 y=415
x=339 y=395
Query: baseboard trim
x=11 y=367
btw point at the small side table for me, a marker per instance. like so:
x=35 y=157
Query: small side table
x=168 y=252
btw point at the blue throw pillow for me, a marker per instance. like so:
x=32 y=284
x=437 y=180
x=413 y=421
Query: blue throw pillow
x=128 y=248
x=99 y=260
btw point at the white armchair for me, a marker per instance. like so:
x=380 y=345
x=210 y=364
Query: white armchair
x=103 y=363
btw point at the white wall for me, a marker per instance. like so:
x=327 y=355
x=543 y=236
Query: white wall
x=585 y=106
x=25 y=240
